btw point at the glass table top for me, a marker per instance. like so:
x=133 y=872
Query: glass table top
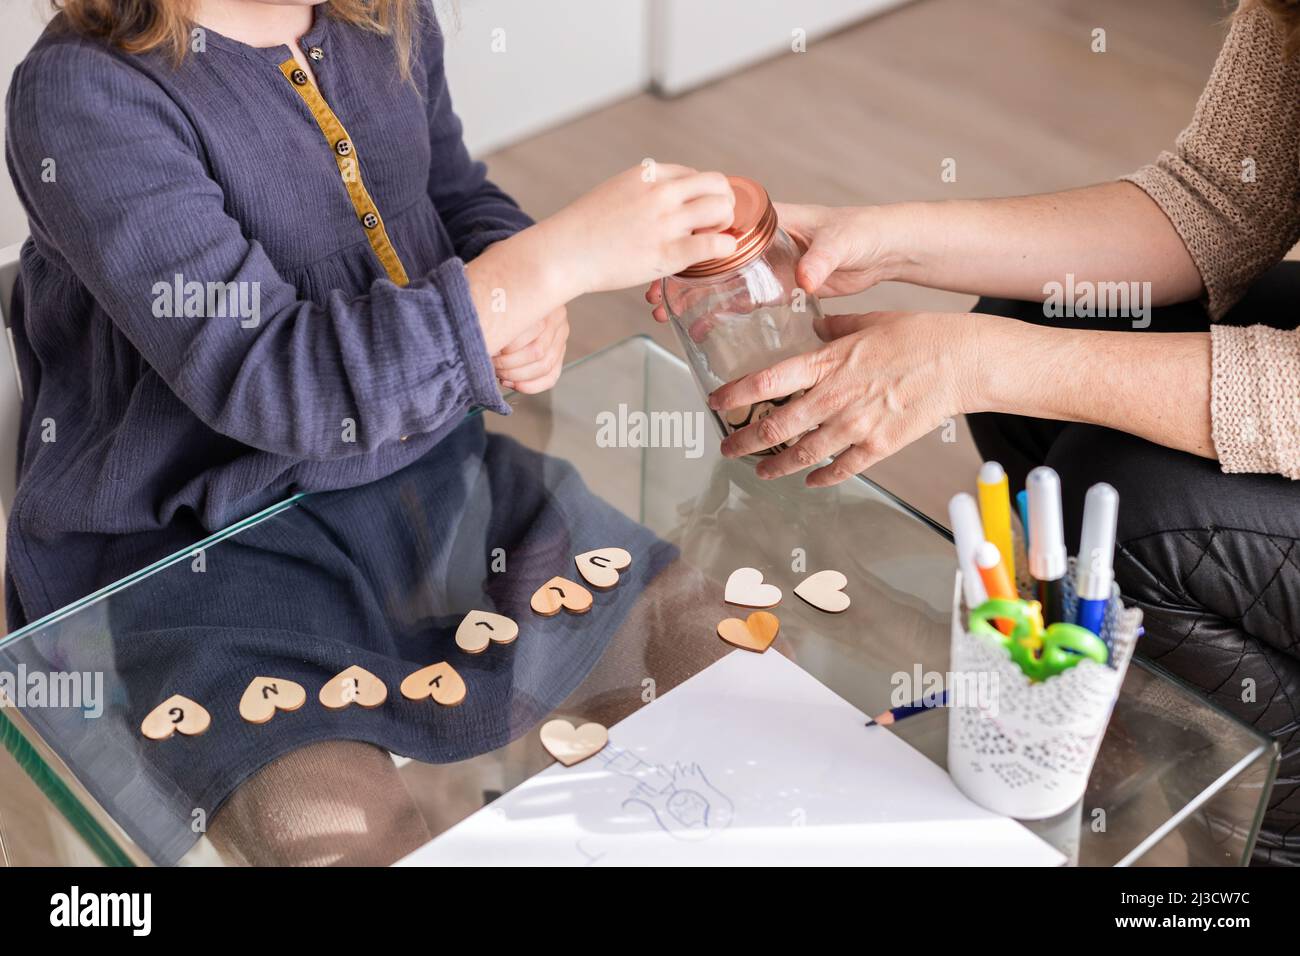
x=619 y=454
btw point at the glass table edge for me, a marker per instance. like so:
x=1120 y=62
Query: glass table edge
x=161 y=564
x=83 y=813
x=1208 y=793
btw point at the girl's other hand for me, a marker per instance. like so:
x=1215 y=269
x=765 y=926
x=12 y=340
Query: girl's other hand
x=649 y=221
x=533 y=361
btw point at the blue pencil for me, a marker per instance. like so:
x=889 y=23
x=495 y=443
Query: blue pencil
x=898 y=713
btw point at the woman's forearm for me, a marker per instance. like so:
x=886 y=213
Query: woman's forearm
x=1011 y=248
x=1154 y=386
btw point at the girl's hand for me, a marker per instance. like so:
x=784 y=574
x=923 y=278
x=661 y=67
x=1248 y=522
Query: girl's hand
x=646 y=222
x=533 y=361
x=884 y=380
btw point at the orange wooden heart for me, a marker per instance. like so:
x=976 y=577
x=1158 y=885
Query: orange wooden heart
x=755 y=633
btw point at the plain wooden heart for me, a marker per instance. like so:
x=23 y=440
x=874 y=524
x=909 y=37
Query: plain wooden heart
x=569 y=744
x=356 y=685
x=825 y=591
x=176 y=713
x=561 y=593
x=480 y=628
x=754 y=633
x=600 y=568
x=439 y=681
x=745 y=587
x=265 y=695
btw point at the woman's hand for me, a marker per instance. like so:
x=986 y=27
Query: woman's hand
x=845 y=250
x=533 y=361
x=881 y=382
x=646 y=222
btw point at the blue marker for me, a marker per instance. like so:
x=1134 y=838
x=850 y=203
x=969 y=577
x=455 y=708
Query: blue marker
x=1094 y=571
x=1022 y=505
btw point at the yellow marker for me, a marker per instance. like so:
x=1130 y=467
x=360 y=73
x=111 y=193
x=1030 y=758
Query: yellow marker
x=995 y=511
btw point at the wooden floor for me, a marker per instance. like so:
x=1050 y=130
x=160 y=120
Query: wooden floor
x=1008 y=88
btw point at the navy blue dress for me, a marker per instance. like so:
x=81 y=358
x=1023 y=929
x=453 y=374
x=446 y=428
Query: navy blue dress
x=351 y=385
x=146 y=410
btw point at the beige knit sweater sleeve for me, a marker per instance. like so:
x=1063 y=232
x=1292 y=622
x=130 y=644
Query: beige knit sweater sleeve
x=1231 y=188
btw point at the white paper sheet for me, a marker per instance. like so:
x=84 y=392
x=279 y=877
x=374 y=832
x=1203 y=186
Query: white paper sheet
x=751 y=761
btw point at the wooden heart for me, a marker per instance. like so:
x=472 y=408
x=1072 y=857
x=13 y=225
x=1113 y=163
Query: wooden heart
x=569 y=744
x=265 y=695
x=746 y=588
x=825 y=591
x=561 y=593
x=755 y=633
x=600 y=568
x=480 y=628
x=356 y=685
x=176 y=713
x=439 y=681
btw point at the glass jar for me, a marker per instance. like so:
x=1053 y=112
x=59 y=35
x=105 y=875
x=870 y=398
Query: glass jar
x=744 y=312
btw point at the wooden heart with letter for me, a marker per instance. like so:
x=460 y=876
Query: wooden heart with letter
x=265 y=695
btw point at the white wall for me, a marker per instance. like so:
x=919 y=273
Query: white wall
x=23 y=22
x=695 y=41
x=518 y=66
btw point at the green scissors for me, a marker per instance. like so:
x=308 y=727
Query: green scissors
x=1040 y=654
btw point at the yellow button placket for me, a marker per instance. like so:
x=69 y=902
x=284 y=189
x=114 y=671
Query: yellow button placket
x=345 y=156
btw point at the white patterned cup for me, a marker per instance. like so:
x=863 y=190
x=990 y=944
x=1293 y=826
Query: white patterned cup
x=1026 y=749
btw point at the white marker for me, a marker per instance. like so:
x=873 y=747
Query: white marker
x=968 y=535
x=1094 y=573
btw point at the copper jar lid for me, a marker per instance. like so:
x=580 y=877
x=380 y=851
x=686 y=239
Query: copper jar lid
x=753 y=225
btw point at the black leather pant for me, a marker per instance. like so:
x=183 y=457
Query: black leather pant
x=1212 y=559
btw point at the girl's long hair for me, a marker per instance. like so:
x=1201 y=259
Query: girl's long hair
x=139 y=25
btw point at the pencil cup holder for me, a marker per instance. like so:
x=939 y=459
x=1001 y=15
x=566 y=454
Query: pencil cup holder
x=1021 y=748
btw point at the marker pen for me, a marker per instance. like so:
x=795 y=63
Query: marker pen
x=995 y=510
x=1094 y=572
x=1047 y=556
x=967 y=536
x=993 y=572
